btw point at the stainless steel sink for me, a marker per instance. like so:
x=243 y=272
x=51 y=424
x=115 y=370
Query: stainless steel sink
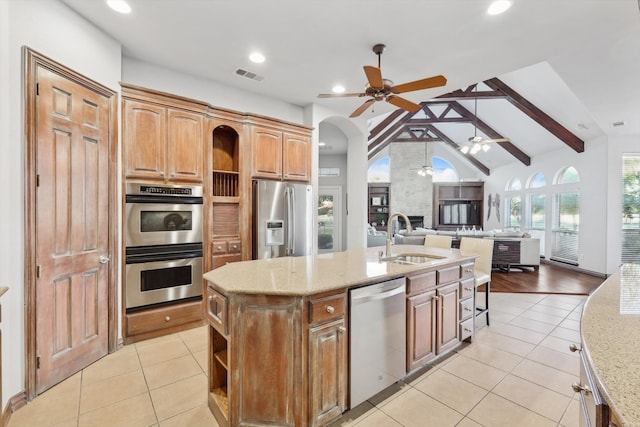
x=413 y=258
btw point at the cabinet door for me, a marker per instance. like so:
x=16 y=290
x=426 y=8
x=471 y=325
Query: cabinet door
x=327 y=372
x=448 y=315
x=421 y=321
x=266 y=153
x=296 y=154
x=144 y=140
x=185 y=146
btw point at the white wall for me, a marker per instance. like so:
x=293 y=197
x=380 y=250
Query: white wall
x=53 y=30
x=154 y=77
x=593 y=169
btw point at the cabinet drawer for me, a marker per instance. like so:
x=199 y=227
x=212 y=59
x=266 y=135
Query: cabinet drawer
x=447 y=275
x=421 y=282
x=466 y=270
x=234 y=246
x=220 y=260
x=328 y=308
x=219 y=247
x=466 y=308
x=217 y=310
x=466 y=288
x=466 y=329
x=163 y=317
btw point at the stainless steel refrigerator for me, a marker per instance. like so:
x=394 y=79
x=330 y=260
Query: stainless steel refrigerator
x=282 y=219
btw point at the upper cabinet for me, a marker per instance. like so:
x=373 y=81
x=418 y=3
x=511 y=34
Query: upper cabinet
x=280 y=154
x=161 y=141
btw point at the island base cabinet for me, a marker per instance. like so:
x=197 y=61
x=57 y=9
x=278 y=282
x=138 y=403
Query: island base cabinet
x=421 y=321
x=448 y=330
x=327 y=370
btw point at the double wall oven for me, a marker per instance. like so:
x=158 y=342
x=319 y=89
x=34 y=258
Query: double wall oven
x=163 y=239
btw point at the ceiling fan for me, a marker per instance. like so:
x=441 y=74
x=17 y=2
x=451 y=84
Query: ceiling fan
x=383 y=89
x=425 y=169
x=477 y=143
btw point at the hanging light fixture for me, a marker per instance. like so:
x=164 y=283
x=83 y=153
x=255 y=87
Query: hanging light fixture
x=476 y=143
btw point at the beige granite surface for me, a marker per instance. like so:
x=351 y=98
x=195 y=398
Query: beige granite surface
x=308 y=275
x=3 y=289
x=610 y=332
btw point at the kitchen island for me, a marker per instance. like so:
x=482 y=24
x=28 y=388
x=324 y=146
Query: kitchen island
x=279 y=328
x=610 y=334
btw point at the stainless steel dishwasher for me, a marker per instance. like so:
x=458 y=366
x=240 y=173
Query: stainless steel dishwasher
x=377 y=338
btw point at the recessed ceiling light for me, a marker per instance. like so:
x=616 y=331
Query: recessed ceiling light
x=257 y=57
x=120 y=6
x=322 y=144
x=498 y=7
x=338 y=89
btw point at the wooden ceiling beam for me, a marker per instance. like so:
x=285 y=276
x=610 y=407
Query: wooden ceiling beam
x=380 y=138
x=384 y=123
x=536 y=114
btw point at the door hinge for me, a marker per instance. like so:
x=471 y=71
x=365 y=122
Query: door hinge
x=37 y=272
x=37 y=362
x=38 y=180
x=37 y=89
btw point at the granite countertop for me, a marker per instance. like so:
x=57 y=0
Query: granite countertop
x=610 y=330
x=3 y=289
x=308 y=275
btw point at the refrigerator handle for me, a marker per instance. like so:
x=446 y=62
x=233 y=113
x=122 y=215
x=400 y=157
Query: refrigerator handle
x=290 y=200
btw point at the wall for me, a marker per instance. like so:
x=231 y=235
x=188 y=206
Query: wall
x=154 y=77
x=592 y=167
x=50 y=28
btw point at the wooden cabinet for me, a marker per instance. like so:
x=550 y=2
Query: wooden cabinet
x=293 y=347
x=150 y=323
x=327 y=358
x=457 y=205
x=379 y=201
x=434 y=318
x=161 y=143
x=280 y=155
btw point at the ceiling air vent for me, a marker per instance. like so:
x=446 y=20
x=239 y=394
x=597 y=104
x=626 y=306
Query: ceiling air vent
x=617 y=124
x=249 y=74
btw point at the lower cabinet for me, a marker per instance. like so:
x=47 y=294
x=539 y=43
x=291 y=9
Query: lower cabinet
x=327 y=371
x=154 y=322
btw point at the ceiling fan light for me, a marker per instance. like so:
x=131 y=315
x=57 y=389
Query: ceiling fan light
x=422 y=172
x=475 y=148
x=485 y=147
x=429 y=172
x=465 y=149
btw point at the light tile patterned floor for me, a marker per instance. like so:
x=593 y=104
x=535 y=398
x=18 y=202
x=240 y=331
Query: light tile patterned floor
x=518 y=372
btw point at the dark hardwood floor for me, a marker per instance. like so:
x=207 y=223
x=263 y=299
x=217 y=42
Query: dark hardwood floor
x=548 y=279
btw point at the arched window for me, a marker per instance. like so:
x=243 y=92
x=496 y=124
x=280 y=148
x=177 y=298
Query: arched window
x=566 y=216
x=513 y=205
x=537 y=180
x=379 y=170
x=443 y=171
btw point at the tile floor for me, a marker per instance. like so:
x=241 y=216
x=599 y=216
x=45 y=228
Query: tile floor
x=518 y=372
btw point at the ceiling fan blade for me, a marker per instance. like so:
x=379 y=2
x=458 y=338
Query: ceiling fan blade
x=498 y=140
x=427 y=83
x=340 y=95
x=361 y=109
x=374 y=76
x=405 y=104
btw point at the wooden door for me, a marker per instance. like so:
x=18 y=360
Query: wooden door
x=266 y=153
x=72 y=246
x=421 y=337
x=185 y=146
x=327 y=372
x=296 y=157
x=448 y=315
x=144 y=140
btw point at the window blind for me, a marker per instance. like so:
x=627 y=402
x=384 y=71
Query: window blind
x=566 y=222
x=630 y=208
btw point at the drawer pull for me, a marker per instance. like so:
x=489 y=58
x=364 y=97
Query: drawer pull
x=577 y=387
x=468 y=270
x=574 y=348
x=468 y=330
x=468 y=289
x=210 y=297
x=219 y=248
x=467 y=309
x=342 y=329
x=166 y=319
x=330 y=309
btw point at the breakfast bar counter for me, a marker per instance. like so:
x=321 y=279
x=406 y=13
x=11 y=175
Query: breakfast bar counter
x=610 y=333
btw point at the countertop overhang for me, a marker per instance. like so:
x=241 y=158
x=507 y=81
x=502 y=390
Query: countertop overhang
x=313 y=274
x=610 y=333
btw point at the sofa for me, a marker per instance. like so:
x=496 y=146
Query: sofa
x=511 y=248
x=375 y=237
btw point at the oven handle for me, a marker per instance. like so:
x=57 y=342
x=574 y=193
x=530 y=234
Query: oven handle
x=141 y=258
x=132 y=198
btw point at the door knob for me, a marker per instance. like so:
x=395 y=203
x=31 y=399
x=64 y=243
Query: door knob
x=103 y=259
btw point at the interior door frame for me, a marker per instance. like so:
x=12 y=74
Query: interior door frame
x=336 y=192
x=33 y=60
